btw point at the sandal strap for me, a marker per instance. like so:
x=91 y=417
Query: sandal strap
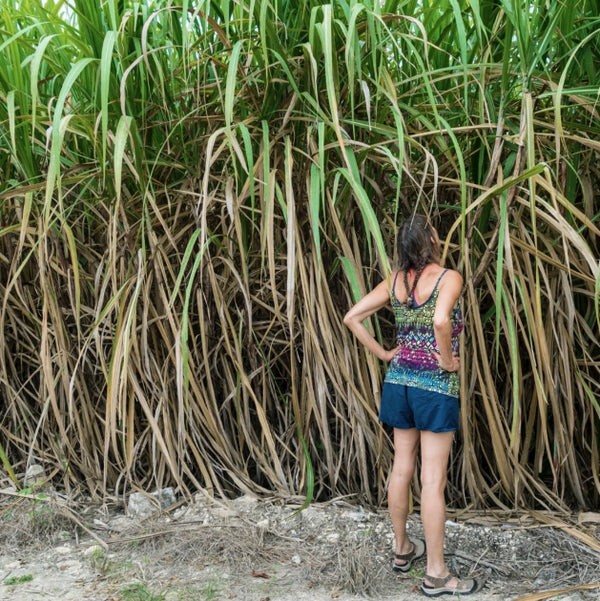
x=407 y=556
x=439 y=582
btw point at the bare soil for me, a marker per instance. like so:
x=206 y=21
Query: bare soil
x=263 y=550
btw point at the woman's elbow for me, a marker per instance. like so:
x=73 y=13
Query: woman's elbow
x=441 y=322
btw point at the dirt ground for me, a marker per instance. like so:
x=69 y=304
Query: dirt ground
x=263 y=550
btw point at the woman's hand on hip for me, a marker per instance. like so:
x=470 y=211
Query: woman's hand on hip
x=389 y=355
x=452 y=365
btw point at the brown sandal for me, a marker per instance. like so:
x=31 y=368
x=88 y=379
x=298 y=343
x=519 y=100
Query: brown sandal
x=439 y=586
x=417 y=551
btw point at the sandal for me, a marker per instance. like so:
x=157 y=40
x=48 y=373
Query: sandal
x=439 y=586
x=417 y=551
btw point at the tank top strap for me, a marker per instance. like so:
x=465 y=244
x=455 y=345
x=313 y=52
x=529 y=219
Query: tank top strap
x=394 y=284
x=438 y=280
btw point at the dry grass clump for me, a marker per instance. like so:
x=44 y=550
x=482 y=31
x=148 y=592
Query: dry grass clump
x=536 y=555
x=358 y=571
x=250 y=550
x=556 y=560
x=238 y=546
x=33 y=523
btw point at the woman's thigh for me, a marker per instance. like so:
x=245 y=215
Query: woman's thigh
x=435 y=451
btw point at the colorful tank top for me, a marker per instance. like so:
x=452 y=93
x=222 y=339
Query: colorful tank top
x=414 y=364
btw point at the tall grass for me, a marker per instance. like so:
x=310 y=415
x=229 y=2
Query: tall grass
x=193 y=194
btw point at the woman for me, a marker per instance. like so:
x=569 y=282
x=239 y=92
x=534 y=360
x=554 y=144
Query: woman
x=420 y=392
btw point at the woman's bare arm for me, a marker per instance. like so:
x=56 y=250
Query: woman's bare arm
x=375 y=300
x=449 y=291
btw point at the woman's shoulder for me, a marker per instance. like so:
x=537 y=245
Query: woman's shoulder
x=450 y=280
x=393 y=277
x=450 y=275
x=391 y=282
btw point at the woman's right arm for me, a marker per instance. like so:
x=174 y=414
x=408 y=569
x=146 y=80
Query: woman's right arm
x=378 y=298
x=449 y=290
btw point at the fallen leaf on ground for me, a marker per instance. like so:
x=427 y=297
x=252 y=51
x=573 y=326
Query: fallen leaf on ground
x=256 y=574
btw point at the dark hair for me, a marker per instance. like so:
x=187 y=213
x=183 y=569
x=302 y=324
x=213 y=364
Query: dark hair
x=415 y=249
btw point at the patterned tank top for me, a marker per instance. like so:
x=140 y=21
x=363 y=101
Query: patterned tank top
x=414 y=364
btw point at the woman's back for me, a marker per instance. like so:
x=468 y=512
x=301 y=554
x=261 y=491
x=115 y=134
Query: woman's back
x=414 y=363
x=425 y=285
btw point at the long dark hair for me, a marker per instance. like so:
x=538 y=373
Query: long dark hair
x=416 y=250
x=414 y=245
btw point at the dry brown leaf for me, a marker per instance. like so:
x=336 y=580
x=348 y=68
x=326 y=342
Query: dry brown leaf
x=588 y=517
x=256 y=574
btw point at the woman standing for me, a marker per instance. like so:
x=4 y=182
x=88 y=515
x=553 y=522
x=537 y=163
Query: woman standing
x=420 y=392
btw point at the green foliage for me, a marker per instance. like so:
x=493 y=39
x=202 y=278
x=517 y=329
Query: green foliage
x=12 y=580
x=140 y=592
x=210 y=590
x=99 y=560
x=193 y=194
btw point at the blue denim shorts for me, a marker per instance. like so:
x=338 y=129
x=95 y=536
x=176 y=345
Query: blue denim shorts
x=406 y=407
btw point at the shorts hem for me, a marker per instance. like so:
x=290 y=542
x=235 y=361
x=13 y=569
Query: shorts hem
x=437 y=431
x=440 y=431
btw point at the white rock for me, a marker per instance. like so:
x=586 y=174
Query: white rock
x=166 y=496
x=245 y=502
x=357 y=516
x=35 y=473
x=224 y=512
x=143 y=505
x=93 y=550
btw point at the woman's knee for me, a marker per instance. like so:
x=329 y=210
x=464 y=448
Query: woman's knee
x=433 y=480
x=403 y=470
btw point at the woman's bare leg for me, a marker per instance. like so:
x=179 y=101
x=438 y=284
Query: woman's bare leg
x=406 y=444
x=435 y=451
